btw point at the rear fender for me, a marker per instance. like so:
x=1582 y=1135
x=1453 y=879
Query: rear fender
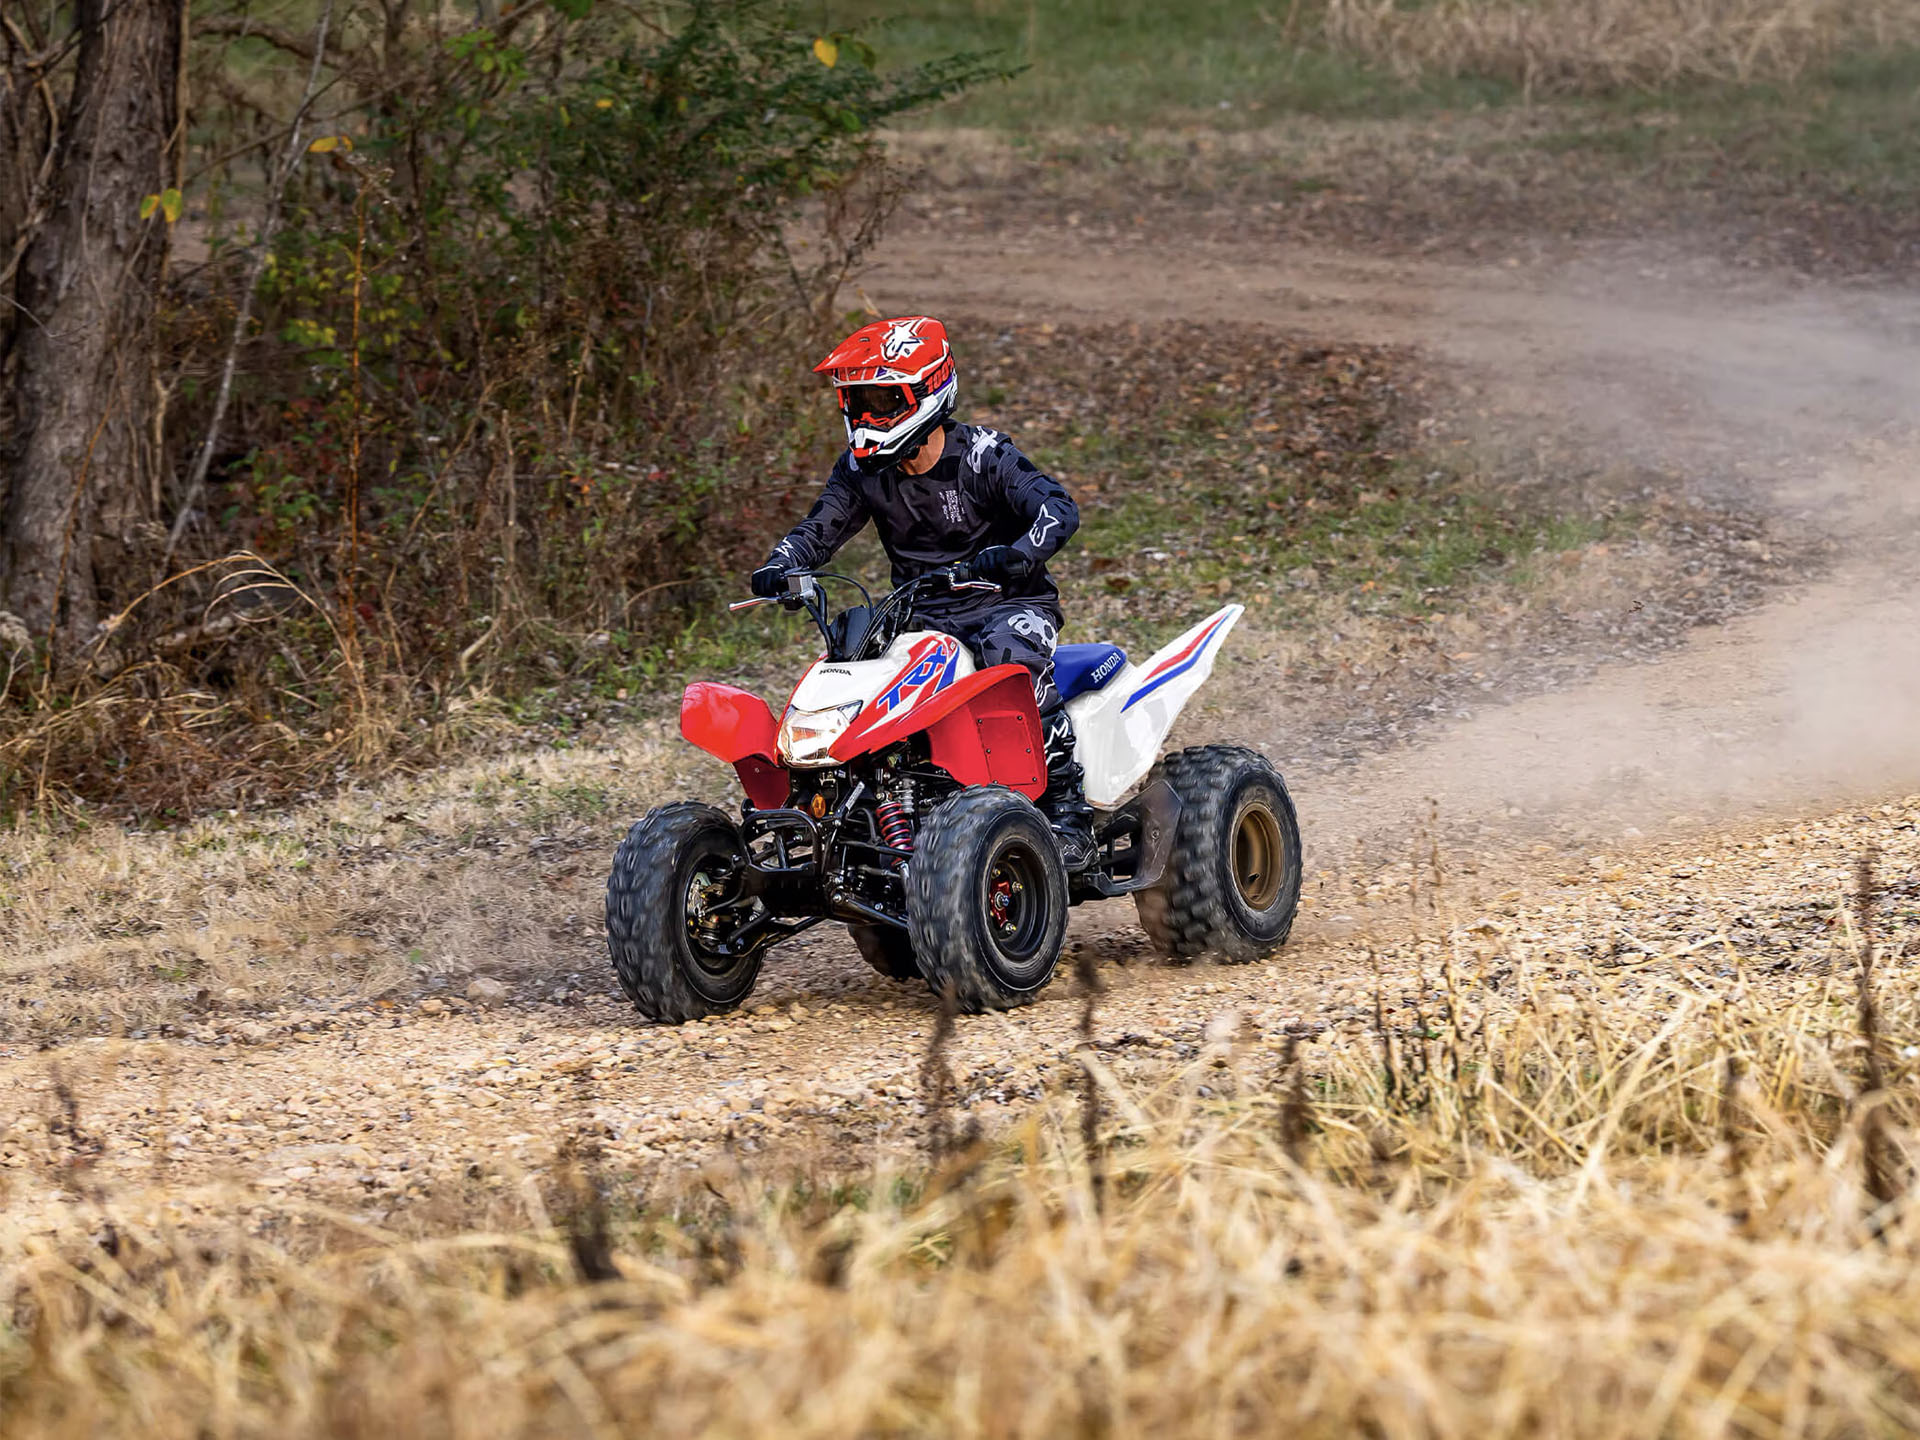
x=737 y=727
x=1120 y=727
x=984 y=730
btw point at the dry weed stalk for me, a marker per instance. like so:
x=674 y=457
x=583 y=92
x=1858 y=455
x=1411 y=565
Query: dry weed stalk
x=1876 y=1145
x=1087 y=974
x=1296 y=1110
x=1478 y=1291
x=936 y=1080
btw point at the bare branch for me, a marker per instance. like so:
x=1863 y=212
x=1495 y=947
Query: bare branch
x=263 y=249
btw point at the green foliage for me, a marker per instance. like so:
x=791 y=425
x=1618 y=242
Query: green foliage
x=536 y=336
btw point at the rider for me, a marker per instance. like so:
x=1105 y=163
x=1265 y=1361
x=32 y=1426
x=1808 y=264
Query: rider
x=942 y=493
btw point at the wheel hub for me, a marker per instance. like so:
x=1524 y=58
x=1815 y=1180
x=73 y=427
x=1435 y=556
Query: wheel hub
x=1258 y=857
x=1001 y=895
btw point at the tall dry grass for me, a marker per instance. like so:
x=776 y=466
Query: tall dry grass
x=1597 y=46
x=1548 y=1200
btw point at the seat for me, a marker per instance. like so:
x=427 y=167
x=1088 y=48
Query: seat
x=1080 y=668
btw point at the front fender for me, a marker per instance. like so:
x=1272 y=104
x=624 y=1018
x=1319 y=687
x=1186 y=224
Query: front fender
x=736 y=726
x=984 y=730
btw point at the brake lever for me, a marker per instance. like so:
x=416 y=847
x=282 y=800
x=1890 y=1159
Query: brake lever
x=753 y=604
x=973 y=585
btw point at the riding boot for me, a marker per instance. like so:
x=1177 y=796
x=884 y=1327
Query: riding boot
x=1065 y=801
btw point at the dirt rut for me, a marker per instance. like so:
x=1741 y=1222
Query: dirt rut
x=1797 y=399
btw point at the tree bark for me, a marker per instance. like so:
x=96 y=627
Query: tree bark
x=81 y=361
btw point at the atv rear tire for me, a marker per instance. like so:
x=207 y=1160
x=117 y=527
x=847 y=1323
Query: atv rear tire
x=1233 y=881
x=677 y=866
x=887 y=949
x=987 y=900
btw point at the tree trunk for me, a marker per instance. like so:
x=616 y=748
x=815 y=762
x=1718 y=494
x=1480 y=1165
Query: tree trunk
x=81 y=361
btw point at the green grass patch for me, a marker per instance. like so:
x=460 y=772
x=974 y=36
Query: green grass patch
x=1853 y=130
x=1144 y=63
x=1852 y=127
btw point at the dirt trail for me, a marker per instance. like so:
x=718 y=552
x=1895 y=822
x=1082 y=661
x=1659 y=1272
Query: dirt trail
x=1793 y=399
x=1789 y=397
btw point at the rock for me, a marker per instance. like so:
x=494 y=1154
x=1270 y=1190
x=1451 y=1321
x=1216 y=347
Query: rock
x=433 y=1006
x=484 y=991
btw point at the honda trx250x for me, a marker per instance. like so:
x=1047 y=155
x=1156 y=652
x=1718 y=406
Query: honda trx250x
x=896 y=794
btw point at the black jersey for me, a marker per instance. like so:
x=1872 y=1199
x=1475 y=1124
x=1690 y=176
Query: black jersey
x=981 y=492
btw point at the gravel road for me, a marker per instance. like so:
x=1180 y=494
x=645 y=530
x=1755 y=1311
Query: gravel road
x=1658 y=801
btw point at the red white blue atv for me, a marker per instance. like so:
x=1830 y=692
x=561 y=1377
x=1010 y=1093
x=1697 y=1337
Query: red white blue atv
x=896 y=794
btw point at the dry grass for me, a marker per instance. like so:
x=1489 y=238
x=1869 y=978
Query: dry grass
x=109 y=929
x=1598 y=46
x=1574 y=1200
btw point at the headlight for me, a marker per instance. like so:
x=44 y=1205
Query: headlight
x=807 y=735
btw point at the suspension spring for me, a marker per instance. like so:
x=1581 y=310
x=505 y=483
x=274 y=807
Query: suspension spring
x=895 y=828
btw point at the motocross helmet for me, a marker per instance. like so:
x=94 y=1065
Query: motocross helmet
x=895 y=382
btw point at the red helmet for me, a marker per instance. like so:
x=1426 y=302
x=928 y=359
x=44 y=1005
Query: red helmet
x=895 y=381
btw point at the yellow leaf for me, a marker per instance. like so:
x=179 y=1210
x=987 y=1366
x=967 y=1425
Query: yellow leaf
x=826 y=52
x=603 y=104
x=170 y=204
x=148 y=206
x=325 y=143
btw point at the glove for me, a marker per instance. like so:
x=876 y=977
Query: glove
x=1002 y=564
x=769 y=582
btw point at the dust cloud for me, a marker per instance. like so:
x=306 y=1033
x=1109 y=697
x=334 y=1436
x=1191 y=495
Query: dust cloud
x=1795 y=400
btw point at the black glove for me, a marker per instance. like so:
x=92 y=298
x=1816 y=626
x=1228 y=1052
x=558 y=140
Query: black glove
x=1002 y=564
x=770 y=581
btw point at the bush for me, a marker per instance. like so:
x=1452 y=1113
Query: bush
x=530 y=367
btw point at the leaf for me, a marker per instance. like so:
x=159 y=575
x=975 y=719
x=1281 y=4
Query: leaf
x=826 y=52
x=148 y=206
x=326 y=143
x=574 y=9
x=170 y=204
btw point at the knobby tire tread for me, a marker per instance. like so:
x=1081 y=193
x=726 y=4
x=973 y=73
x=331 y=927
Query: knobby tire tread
x=887 y=950
x=942 y=885
x=644 y=914
x=1189 y=914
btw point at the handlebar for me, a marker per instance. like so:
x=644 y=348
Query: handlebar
x=801 y=587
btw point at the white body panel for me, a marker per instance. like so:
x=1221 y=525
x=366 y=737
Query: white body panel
x=839 y=682
x=1120 y=727
x=917 y=666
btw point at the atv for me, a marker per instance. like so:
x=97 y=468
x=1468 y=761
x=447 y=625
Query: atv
x=896 y=794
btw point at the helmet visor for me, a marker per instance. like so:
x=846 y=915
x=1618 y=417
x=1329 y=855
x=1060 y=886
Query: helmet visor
x=877 y=405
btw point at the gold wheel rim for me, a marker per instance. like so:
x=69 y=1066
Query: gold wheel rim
x=1259 y=856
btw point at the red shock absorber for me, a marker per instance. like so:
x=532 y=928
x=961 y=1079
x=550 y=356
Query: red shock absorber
x=896 y=829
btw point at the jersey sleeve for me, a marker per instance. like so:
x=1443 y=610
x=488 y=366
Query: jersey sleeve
x=836 y=517
x=1040 y=501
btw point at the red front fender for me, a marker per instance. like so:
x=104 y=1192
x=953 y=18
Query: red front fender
x=985 y=730
x=737 y=727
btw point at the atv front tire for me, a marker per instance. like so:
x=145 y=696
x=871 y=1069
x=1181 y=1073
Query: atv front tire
x=887 y=949
x=683 y=941
x=1233 y=881
x=987 y=900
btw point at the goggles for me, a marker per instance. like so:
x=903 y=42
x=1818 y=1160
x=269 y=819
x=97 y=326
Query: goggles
x=876 y=405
